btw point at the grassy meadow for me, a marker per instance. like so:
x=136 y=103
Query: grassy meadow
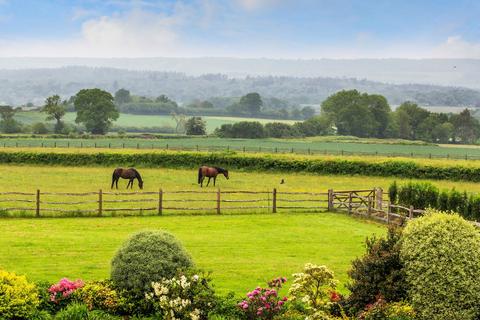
x=317 y=145
x=135 y=120
x=240 y=251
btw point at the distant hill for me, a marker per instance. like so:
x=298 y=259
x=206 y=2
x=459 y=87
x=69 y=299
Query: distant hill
x=447 y=72
x=19 y=86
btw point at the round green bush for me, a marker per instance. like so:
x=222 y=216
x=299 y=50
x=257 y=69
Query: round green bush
x=18 y=297
x=146 y=257
x=441 y=255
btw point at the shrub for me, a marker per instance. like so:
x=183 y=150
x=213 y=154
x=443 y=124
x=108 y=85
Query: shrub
x=455 y=201
x=378 y=273
x=62 y=291
x=315 y=287
x=99 y=295
x=419 y=195
x=442 y=202
x=441 y=253
x=39 y=128
x=185 y=296
x=148 y=257
x=74 y=311
x=18 y=297
x=264 y=303
x=381 y=310
x=393 y=192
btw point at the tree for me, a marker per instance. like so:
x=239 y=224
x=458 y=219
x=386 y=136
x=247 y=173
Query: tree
x=55 y=110
x=8 y=123
x=357 y=114
x=195 y=126
x=307 y=112
x=251 y=103
x=315 y=126
x=467 y=128
x=180 y=121
x=242 y=129
x=414 y=116
x=122 y=96
x=280 y=130
x=95 y=109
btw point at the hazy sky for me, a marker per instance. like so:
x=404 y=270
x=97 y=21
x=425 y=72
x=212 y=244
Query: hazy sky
x=241 y=28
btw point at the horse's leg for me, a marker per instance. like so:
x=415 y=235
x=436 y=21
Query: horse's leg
x=116 y=182
x=208 y=181
x=128 y=184
x=201 y=182
x=113 y=181
x=131 y=183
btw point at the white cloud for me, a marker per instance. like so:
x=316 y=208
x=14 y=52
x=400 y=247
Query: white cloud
x=137 y=33
x=457 y=47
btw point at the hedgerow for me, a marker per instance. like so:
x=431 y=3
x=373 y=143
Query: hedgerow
x=400 y=168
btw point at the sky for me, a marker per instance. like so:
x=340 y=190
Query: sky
x=293 y=29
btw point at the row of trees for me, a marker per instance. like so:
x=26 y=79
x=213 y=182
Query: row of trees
x=249 y=105
x=95 y=109
x=364 y=115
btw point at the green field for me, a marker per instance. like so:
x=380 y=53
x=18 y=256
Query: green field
x=79 y=179
x=241 y=251
x=143 y=121
x=318 y=145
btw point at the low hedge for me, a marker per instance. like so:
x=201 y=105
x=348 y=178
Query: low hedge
x=399 y=168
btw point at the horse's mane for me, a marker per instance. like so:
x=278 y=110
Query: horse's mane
x=137 y=173
x=220 y=170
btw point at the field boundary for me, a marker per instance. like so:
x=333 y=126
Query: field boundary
x=92 y=144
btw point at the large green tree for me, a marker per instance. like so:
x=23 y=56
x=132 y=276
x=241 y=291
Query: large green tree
x=95 y=109
x=196 y=126
x=414 y=116
x=55 y=110
x=354 y=113
x=467 y=128
x=251 y=103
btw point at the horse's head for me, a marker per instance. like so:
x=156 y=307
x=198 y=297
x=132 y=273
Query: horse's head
x=225 y=173
x=140 y=184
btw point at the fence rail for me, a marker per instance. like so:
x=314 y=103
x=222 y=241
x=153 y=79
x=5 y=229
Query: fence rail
x=145 y=145
x=370 y=203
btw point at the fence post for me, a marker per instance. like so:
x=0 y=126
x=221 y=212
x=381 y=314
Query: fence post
x=100 y=202
x=410 y=212
x=379 y=198
x=369 y=212
x=330 y=199
x=37 y=210
x=160 y=202
x=274 y=200
x=218 y=201
x=350 y=203
x=388 y=212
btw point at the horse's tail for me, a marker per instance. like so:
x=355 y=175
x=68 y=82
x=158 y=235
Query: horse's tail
x=200 y=175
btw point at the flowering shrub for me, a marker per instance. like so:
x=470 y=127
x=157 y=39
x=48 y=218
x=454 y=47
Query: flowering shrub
x=99 y=295
x=315 y=287
x=381 y=310
x=63 y=289
x=264 y=303
x=185 y=296
x=18 y=297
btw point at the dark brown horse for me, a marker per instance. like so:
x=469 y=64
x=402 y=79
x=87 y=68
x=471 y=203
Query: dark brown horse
x=130 y=174
x=210 y=172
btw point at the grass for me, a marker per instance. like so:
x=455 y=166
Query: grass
x=25 y=178
x=241 y=251
x=317 y=145
x=133 y=120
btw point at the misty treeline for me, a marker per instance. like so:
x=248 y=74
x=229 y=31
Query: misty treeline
x=352 y=113
x=249 y=105
x=18 y=87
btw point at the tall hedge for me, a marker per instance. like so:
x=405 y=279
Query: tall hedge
x=400 y=168
x=441 y=255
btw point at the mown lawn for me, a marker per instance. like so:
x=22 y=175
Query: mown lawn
x=241 y=251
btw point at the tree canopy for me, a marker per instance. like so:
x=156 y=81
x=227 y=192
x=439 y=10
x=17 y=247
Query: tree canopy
x=95 y=109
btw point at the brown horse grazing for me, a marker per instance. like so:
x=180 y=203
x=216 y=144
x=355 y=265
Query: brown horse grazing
x=210 y=172
x=130 y=173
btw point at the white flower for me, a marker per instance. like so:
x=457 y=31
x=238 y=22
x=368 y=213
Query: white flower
x=195 y=277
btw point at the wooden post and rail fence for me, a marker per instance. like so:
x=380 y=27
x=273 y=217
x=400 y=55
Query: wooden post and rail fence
x=370 y=203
